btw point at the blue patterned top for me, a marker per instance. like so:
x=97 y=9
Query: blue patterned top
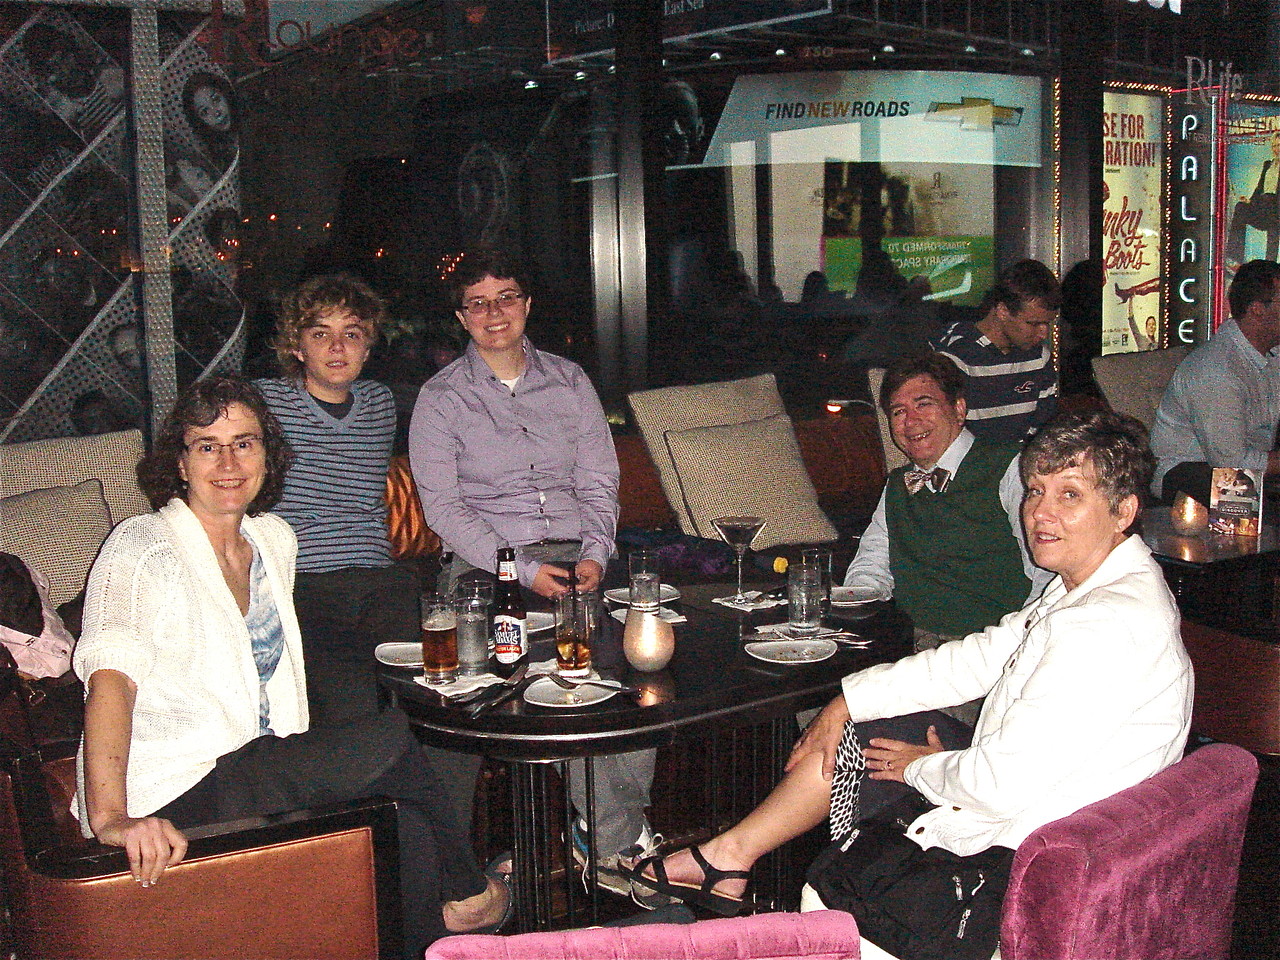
x=266 y=634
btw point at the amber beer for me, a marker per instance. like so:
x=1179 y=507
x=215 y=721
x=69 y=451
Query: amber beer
x=439 y=640
x=510 y=620
x=574 y=624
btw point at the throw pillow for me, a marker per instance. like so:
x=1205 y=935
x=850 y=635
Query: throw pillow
x=752 y=469
x=64 y=461
x=666 y=409
x=57 y=531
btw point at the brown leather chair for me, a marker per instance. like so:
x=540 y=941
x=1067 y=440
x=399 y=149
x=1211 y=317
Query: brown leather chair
x=1237 y=698
x=320 y=883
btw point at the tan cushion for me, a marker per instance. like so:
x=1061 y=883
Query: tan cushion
x=57 y=531
x=62 y=461
x=1134 y=383
x=702 y=405
x=753 y=469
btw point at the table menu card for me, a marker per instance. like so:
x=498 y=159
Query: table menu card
x=1235 y=501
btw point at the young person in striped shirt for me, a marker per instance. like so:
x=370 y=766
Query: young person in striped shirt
x=350 y=595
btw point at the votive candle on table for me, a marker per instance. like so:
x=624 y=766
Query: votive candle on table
x=1188 y=515
x=648 y=641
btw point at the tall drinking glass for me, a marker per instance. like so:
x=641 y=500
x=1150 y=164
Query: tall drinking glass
x=739 y=533
x=804 y=598
x=439 y=639
x=576 y=622
x=472 y=614
x=646 y=579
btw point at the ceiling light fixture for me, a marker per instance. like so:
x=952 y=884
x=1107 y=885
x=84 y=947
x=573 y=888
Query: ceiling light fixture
x=531 y=84
x=1028 y=52
x=888 y=48
x=580 y=75
x=780 y=52
x=970 y=48
x=715 y=55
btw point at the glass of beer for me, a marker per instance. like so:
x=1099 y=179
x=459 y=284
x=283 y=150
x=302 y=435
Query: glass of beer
x=576 y=621
x=439 y=639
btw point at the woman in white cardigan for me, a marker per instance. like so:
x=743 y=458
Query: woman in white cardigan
x=1088 y=691
x=195 y=705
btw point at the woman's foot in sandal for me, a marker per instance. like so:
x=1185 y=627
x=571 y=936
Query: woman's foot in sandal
x=694 y=876
x=486 y=912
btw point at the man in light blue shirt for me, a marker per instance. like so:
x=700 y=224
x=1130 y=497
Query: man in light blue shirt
x=1222 y=405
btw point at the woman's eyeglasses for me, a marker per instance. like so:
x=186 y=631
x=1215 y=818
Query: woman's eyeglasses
x=240 y=447
x=481 y=306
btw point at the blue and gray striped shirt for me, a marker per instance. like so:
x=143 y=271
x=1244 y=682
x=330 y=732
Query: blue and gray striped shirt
x=335 y=492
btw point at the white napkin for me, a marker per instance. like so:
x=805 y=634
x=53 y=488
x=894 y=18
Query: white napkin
x=758 y=601
x=456 y=688
x=666 y=613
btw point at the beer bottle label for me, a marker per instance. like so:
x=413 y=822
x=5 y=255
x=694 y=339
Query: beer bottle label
x=507 y=570
x=510 y=638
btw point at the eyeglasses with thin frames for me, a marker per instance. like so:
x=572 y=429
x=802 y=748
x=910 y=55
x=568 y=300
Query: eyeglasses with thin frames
x=481 y=306
x=241 y=447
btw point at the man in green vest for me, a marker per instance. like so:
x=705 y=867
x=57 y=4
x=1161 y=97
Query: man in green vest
x=946 y=539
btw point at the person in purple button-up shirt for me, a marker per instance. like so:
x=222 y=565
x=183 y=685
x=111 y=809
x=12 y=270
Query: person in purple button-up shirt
x=509 y=444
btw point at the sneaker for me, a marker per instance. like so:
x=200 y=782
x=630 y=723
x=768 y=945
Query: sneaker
x=609 y=875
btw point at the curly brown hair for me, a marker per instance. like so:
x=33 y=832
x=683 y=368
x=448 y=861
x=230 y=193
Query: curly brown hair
x=198 y=406
x=313 y=299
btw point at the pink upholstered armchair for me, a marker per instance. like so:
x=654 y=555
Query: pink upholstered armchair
x=1149 y=874
x=824 y=935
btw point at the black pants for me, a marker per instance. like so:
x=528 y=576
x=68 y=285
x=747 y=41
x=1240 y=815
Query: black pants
x=372 y=756
x=344 y=615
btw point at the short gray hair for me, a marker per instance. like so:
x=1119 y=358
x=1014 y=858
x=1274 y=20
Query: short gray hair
x=1114 y=443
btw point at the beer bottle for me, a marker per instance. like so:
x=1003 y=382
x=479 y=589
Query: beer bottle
x=510 y=624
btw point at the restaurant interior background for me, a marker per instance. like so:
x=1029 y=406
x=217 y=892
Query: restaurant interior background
x=706 y=188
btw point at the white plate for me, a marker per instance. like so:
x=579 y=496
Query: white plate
x=538 y=620
x=543 y=693
x=399 y=654
x=854 y=596
x=666 y=593
x=792 y=651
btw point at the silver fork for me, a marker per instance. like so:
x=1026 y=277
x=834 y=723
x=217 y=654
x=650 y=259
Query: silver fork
x=560 y=681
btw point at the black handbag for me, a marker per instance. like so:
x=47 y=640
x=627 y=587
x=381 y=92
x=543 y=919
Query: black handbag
x=917 y=904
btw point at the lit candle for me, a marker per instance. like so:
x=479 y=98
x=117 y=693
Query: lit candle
x=648 y=641
x=1189 y=515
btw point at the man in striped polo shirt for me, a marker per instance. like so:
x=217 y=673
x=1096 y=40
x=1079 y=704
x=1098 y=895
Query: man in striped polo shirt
x=1012 y=384
x=349 y=594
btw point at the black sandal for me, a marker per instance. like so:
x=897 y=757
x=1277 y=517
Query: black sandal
x=703 y=895
x=506 y=880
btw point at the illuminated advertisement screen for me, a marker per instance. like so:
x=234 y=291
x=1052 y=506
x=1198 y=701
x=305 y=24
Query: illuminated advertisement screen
x=1253 y=165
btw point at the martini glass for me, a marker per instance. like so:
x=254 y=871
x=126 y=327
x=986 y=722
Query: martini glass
x=739 y=533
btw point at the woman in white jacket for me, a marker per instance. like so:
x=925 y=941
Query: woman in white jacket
x=1088 y=688
x=196 y=705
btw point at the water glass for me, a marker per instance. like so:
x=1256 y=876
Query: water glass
x=481 y=589
x=646 y=579
x=804 y=599
x=472 y=614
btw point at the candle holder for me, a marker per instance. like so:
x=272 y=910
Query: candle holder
x=648 y=641
x=1189 y=516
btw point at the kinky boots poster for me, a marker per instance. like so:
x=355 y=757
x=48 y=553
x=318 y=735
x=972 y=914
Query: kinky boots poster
x=1132 y=214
